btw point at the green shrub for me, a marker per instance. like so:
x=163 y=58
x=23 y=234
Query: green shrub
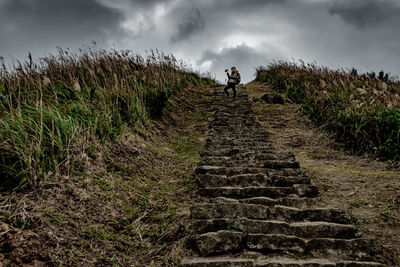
x=361 y=109
x=50 y=108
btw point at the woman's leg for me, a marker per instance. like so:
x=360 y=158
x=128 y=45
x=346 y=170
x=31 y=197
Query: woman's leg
x=234 y=90
x=226 y=90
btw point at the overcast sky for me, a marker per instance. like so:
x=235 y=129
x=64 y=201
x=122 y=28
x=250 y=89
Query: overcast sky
x=213 y=34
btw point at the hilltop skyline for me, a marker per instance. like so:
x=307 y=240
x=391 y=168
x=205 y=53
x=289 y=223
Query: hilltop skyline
x=212 y=35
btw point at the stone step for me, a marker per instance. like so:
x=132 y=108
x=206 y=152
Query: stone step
x=313 y=214
x=224 y=241
x=223 y=120
x=237 y=135
x=218 y=242
x=237 y=128
x=315 y=262
x=236 y=140
x=239 y=142
x=298 y=229
x=273 y=262
x=246 y=148
x=345 y=249
x=271 y=164
x=251 y=156
x=292 y=201
x=217 y=262
x=244 y=132
x=233 y=124
x=258 y=133
x=256 y=179
x=238 y=106
x=229 y=210
x=227 y=111
x=222 y=100
x=230 y=132
x=207 y=211
x=260 y=136
x=236 y=180
x=301 y=190
x=256 y=136
x=231 y=151
x=295 y=202
x=230 y=171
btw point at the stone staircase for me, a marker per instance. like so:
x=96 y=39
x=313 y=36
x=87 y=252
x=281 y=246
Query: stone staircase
x=259 y=207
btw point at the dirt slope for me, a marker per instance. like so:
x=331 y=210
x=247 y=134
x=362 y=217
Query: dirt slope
x=125 y=206
x=369 y=188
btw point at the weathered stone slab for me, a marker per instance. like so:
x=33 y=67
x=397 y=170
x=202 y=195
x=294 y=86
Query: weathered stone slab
x=208 y=225
x=317 y=262
x=317 y=214
x=276 y=242
x=229 y=210
x=266 y=201
x=299 y=229
x=218 y=242
x=247 y=192
x=346 y=249
x=259 y=191
x=217 y=262
x=298 y=202
x=235 y=180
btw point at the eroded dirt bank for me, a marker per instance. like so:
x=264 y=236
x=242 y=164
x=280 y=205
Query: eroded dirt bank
x=367 y=187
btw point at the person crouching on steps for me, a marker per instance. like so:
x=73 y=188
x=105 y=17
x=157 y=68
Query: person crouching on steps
x=233 y=80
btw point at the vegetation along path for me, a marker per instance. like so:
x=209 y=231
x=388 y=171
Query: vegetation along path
x=259 y=207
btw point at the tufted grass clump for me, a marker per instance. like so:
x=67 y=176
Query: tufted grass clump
x=362 y=110
x=51 y=109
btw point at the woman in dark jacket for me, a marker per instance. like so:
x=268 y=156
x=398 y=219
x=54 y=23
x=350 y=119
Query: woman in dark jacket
x=233 y=80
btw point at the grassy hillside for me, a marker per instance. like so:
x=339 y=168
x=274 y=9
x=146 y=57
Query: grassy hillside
x=96 y=158
x=55 y=109
x=362 y=110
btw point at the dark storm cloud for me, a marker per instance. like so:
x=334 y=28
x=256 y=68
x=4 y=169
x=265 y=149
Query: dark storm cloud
x=34 y=25
x=253 y=32
x=214 y=34
x=193 y=24
x=146 y=3
x=241 y=6
x=366 y=12
x=135 y=6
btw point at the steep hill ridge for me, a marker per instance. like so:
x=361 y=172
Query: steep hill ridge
x=259 y=208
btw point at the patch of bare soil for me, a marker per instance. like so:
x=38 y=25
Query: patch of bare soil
x=15 y=244
x=125 y=205
x=363 y=185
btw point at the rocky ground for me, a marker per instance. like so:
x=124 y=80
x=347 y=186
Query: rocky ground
x=260 y=208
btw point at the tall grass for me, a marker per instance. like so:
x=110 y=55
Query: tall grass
x=363 y=110
x=51 y=108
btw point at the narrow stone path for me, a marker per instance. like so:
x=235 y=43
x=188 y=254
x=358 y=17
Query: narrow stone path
x=259 y=207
